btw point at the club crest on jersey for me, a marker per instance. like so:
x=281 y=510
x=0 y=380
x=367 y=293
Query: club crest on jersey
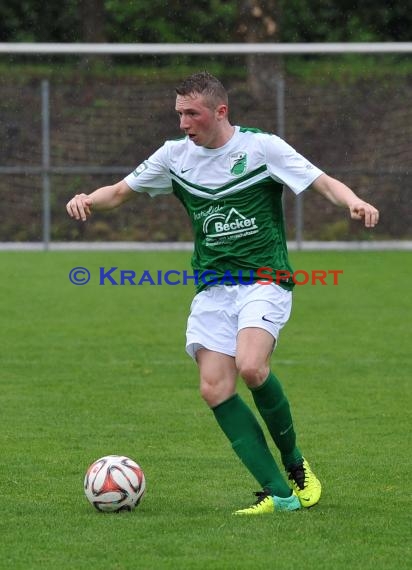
x=238 y=163
x=141 y=168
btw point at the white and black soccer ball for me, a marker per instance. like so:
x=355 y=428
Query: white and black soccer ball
x=114 y=483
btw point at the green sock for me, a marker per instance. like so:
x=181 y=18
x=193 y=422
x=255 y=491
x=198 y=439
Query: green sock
x=274 y=409
x=248 y=441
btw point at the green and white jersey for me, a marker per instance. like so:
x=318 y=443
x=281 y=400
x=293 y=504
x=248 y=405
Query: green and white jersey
x=233 y=195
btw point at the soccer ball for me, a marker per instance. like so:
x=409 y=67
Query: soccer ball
x=114 y=483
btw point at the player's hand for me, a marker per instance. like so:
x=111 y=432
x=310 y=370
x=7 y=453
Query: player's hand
x=80 y=207
x=361 y=210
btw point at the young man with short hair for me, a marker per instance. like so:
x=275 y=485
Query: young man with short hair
x=230 y=181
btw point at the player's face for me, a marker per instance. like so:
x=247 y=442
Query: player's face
x=202 y=124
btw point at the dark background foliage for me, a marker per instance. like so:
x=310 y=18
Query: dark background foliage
x=203 y=21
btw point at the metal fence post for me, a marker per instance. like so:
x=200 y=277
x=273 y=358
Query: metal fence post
x=280 y=106
x=45 y=125
x=281 y=123
x=280 y=119
x=299 y=220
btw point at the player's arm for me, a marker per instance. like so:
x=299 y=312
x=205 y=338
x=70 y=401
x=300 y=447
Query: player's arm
x=80 y=207
x=341 y=195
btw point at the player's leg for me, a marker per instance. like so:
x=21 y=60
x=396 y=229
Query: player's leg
x=218 y=375
x=253 y=363
x=265 y=311
x=254 y=349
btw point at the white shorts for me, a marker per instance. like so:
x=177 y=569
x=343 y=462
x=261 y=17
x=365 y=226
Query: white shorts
x=218 y=313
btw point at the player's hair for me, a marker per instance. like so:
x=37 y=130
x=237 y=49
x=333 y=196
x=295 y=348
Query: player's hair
x=205 y=84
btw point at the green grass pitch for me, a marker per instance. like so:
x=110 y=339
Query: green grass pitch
x=93 y=370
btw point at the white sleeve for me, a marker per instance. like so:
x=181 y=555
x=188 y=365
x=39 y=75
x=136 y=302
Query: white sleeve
x=289 y=167
x=152 y=175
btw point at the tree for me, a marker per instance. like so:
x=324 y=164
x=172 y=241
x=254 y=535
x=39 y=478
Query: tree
x=204 y=20
x=345 y=21
x=93 y=19
x=259 y=22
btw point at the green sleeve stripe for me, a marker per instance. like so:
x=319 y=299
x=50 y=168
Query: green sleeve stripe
x=253 y=130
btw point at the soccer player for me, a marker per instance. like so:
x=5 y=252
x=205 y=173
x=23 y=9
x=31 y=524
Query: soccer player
x=230 y=181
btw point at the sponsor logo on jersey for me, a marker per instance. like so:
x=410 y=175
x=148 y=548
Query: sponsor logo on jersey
x=238 y=163
x=221 y=227
x=208 y=212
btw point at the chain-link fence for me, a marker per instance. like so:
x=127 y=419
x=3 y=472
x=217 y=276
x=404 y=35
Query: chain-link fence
x=75 y=132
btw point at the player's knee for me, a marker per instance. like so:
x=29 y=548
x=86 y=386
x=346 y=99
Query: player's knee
x=214 y=393
x=206 y=392
x=253 y=373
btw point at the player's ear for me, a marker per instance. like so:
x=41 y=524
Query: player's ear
x=221 y=111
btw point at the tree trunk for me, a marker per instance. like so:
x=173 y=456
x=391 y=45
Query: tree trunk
x=92 y=21
x=259 y=23
x=92 y=30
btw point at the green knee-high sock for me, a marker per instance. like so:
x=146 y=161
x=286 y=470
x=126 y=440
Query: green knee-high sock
x=274 y=409
x=248 y=441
